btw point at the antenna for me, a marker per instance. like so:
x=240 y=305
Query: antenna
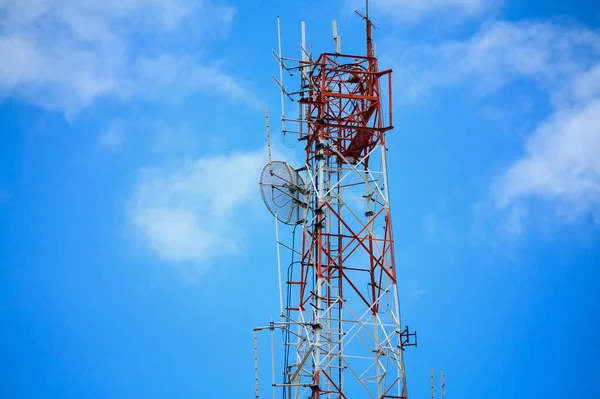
x=283 y=191
x=303 y=77
x=442 y=383
x=268 y=134
x=365 y=17
x=336 y=37
x=432 y=385
x=280 y=75
x=303 y=43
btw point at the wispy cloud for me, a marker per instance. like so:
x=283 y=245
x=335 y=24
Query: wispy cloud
x=65 y=55
x=114 y=136
x=187 y=214
x=430 y=224
x=560 y=162
x=551 y=55
x=412 y=11
x=437 y=232
x=180 y=76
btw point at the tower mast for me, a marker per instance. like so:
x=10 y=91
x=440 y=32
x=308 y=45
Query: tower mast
x=342 y=334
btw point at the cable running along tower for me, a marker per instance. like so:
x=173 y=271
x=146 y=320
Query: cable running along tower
x=339 y=334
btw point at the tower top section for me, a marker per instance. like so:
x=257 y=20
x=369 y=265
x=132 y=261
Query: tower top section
x=369 y=29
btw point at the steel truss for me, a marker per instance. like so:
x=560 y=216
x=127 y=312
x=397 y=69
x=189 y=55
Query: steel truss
x=342 y=335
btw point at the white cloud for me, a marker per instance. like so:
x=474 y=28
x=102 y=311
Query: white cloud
x=430 y=224
x=586 y=86
x=561 y=163
x=180 y=74
x=437 y=231
x=61 y=54
x=176 y=139
x=410 y=8
x=550 y=55
x=414 y=10
x=188 y=215
x=114 y=136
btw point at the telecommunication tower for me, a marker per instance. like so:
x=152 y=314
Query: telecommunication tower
x=340 y=329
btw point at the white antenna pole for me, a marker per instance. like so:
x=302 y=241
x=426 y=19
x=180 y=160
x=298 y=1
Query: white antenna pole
x=276 y=224
x=303 y=43
x=273 y=359
x=432 y=385
x=303 y=77
x=336 y=37
x=268 y=133
x=281 y=75
x=255 y=366
x=442 y=383
x=279 y=267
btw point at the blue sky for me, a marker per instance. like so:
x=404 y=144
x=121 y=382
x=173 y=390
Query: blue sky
x=136 y=255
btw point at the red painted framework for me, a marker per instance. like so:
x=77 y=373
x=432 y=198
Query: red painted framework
x=344 y=110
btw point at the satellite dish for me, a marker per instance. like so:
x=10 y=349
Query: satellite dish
x=283 y=192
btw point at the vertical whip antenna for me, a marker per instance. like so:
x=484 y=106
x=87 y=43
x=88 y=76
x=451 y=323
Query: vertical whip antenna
x=369 y=43
x=268 y=134
x=369 y=28
x=442 y=383
x=255 y=366
x=336 y=37
x=432 y=385
x=303 y=75
x=271 y=181
x=281 y=75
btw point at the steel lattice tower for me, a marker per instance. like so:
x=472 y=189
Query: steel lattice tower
x=342 y=336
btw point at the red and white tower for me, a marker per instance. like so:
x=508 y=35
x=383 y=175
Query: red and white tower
x=340 y=322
